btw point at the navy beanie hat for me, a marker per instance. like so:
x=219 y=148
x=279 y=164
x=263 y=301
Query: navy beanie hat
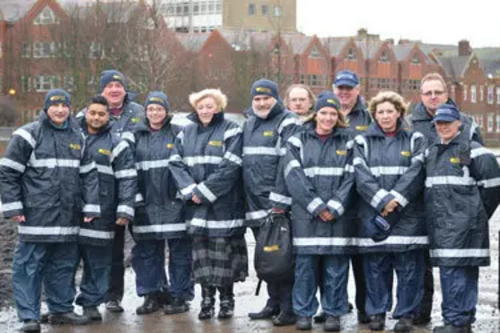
x=112 y=75
x=327 y=99
x=157 y=97
x=56 y=96
x=265 y=87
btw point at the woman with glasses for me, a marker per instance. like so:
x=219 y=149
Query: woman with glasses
x=159 y=216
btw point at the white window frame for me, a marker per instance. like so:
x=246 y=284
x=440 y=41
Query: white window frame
x=498 y=95
x=473 y=93
x=46 y=17
x=481 y=93
x=69 y=82
x=490 y=94
x=465 y=92
x=43 y=83
x=498 y=123
x=490 y=123
x=44 y=50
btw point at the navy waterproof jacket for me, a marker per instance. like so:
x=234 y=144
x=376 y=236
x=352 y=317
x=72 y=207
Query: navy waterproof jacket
x=48 y=176
x=421 y=121
x=132 y=115
x=159 y=212
x=388 y=168
x=117 y=184
x=320 y=175
x=207 y=162
x=264 y=145
x=359 y=118
x=462 y=190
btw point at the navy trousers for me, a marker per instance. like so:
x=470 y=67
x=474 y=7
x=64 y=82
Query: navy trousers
x=334 y=274
x=379 y=272
x=148 y=262
x=460 y=287
x=51 y=264
x=96 y=273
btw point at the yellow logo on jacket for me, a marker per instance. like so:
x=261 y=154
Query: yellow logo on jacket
x=341 y=152
x=455 y=160
x=215 y=143
x=134 y=120
x=75 y=146
x=104 y=151
x=271 y=248
x=268 y=133
x=170 y=145
x=406 y=153
x=361 y=128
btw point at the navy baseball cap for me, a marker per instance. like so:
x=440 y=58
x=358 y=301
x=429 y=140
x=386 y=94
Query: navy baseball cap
x=447 y=113
x=346 y=78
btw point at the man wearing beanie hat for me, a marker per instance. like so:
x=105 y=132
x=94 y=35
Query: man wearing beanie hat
x=434 y=93
x=125 y=115
x=48 y=182
x=117 y=181
x=264 y=140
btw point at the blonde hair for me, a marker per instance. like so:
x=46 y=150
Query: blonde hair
x=388 y=96
x=219 y=98
x=434 y=77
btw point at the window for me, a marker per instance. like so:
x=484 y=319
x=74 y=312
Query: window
x=479 y=121
x=498 y=95
x=0 y=49
x=383 y=83
x=277 y=11
x=46 y=16
x=384 y=57
x=26 y=50
x=45 y=82
x=95 y=50
x=481 y=93
x=473 y=93
x=25 y=83
x=465 y=92
x=314 y=53
x=490 y=123
x=251 y=9
x=44 y=49
x=414 y=84
x=490 y=94
x=196 y=8
x=69 y=82
x=351 y=55
x=415 y=60
x=265 y=10
x=498 y=123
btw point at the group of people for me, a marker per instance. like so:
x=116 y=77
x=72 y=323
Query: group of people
x=367 y=185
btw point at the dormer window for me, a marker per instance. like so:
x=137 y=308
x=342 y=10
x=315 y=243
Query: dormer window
x=351 y=55
x=46 y=16
x=415 y=60
x=384 y=57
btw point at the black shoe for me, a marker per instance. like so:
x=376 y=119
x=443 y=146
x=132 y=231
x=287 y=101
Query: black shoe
x=151 y=304
x=452 y=329
x=404 y=325
x=363 y=318
x=266 y=313
x=30 y=326
x=303 y=323
x=285 y=319
x=206 y=313
x=70 y=318
x=176 y=305
x=320 y=318
x=332 y=324
x=92 y=313
x=44 y=318
x=226 y=309
x=377 y=322
x=114 y=306
x=351 y=307
x=421 y=320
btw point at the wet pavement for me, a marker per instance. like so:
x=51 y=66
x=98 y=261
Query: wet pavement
x=128 y=322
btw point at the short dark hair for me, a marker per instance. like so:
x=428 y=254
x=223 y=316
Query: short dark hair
x=98 y=99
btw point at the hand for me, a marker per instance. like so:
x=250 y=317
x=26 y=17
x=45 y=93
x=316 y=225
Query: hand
x=326 y=216
x=89 y=219
x=390 y=207
x=196 y=199
x=19 y=218
x=122 y=221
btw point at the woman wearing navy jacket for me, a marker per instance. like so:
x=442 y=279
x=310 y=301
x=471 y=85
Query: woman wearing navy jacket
x=319 y=176
x=388 y=164
x=206 y=165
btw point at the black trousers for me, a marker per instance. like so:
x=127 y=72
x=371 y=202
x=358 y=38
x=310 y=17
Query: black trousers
x=117 y=278
x=426 y=307
x=359 y=281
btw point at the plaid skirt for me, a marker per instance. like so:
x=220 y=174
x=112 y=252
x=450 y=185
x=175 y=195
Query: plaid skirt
x=219 y=261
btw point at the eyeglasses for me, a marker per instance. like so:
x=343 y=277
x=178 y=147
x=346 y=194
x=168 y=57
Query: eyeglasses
x=155 y=109
x=430 y=93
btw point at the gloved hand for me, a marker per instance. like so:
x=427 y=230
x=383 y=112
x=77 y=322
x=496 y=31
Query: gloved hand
x=379 y=228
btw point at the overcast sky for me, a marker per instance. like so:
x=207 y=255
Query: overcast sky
x=432 y=21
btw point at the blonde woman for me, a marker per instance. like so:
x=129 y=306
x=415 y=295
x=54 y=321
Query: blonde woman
x=207 y=169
